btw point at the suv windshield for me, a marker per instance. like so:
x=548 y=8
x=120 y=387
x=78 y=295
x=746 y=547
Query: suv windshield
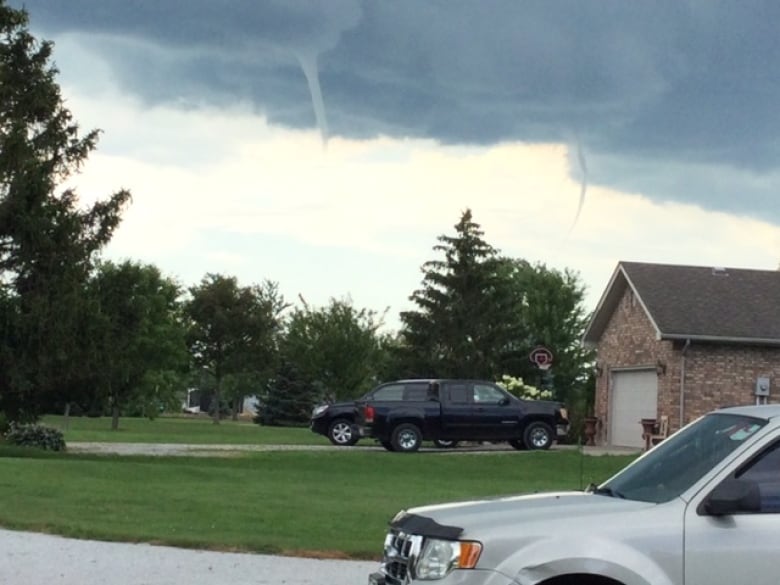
x=680 y=461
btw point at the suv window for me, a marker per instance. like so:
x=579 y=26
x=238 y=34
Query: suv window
x=765 y=471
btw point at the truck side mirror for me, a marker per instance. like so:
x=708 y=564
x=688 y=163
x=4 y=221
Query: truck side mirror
x=504 y=401
x=731 y=497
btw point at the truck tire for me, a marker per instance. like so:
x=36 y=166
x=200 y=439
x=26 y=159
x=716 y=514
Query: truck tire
x=341 y=433
x=445 y=444
x=406 y=438
x=538 y=435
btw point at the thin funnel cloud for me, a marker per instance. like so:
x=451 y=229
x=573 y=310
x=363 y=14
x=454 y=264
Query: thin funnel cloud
x=583 y=185
x=308 y=62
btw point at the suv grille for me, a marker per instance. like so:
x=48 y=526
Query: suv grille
x=401 y=551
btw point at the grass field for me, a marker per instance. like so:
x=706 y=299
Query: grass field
x=181 y=429
x=325 y=504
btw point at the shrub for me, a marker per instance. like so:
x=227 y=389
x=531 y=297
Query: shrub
x=32 y=435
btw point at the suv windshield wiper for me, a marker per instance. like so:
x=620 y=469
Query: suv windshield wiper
x=604 y=491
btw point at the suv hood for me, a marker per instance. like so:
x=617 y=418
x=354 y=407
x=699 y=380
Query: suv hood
x=477 y=516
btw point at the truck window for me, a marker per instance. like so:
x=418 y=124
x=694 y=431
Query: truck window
x=416 y=392
x=457 y=393
x=485 y=394
x=389 y=392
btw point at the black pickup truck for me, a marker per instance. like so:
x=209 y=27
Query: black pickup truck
x=461 y=410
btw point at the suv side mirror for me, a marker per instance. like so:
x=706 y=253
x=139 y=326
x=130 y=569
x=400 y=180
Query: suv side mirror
x=504 y=401
x=731 y=497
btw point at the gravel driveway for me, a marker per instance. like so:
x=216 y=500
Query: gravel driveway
x=41 y=559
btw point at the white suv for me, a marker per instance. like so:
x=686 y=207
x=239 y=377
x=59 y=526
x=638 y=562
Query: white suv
x=701 y=508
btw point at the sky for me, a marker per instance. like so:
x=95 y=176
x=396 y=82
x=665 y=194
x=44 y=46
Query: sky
x=325 y=145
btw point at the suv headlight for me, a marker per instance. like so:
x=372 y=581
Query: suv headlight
x=439 y=557
x=319 y=410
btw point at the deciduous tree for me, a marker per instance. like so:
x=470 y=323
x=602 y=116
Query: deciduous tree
x=334 y=349
x=139 y=337
x=233 y=330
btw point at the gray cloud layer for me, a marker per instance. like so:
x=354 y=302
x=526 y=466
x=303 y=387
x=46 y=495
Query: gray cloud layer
x=675 y=98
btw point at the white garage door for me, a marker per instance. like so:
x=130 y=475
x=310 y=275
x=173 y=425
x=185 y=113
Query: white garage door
x=634 y=397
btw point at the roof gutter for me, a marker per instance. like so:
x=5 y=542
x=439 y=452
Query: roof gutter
x=717 y=339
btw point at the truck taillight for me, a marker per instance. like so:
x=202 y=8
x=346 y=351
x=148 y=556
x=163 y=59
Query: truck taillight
x=368 y=414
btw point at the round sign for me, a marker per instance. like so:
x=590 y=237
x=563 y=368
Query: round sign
x=542 y=357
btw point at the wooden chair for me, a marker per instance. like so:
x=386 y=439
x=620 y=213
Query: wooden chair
x=662 y=431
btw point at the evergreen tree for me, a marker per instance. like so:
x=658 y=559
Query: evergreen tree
x=288 y=399
x=47 y=243
x=463 y=322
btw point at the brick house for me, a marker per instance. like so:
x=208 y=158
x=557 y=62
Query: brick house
x=678 y=341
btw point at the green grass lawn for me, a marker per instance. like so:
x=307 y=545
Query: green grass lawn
x=325 y=504
x=181 y=429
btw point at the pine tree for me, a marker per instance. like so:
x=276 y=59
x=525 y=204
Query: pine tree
x=462 y=325
x=47 y=243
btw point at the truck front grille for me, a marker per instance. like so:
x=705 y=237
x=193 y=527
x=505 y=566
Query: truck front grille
x=401 y=551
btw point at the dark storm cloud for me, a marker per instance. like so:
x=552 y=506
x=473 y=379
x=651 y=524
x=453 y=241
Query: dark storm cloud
x=676 y=98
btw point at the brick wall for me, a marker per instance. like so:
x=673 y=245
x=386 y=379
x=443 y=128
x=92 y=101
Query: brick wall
x=725 y=375
x=715 y=374
x=628 y=341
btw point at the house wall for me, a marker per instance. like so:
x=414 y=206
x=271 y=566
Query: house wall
x=629 y=341
x=725 y=375
x=716 y=375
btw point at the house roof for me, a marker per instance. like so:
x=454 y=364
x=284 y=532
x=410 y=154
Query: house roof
x=733 y=305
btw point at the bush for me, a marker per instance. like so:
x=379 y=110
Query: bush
x=32 y=435
x=522 y=390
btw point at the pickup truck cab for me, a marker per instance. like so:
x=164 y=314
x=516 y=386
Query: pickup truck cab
x=461 y=410
x=701 y=507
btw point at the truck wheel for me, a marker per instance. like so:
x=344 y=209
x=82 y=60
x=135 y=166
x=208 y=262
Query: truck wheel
x=538 y=435
x=444 y=444
x=341 y=433
x=406 y=438
x=387 y=445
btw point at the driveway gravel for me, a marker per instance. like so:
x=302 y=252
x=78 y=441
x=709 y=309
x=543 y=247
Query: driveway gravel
x=42 y=559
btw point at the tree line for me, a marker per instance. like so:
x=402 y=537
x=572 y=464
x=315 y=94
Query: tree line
x=121 y=338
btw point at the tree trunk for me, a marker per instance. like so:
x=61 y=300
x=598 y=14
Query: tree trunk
x=236 y=407
x=114 y=408
x=66 y=417
x=216 y=402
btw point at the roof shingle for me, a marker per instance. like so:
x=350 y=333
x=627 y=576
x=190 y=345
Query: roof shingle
x=729 y=304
